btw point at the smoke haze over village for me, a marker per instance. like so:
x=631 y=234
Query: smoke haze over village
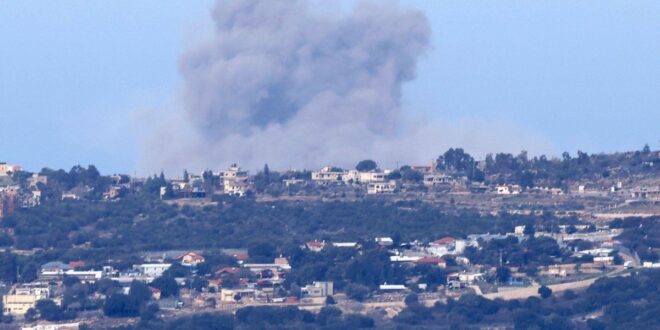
x=280 y=83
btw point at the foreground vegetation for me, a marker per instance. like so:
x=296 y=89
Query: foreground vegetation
x=99 y=231
x=630 y=302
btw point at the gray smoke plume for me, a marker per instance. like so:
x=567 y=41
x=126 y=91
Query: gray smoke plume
x=279 y=83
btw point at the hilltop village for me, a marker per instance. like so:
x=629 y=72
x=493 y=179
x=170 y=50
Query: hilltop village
x=359 y=247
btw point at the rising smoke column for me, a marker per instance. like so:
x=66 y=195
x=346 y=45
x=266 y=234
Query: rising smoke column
x=281 y=84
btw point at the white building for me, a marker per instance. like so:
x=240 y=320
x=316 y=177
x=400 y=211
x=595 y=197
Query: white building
x=508 y=189
x=607 y=260
x=373 y=176
x=293 y=182
x=235 y=181
x=53 y=326
x=437 y=179
x=382 y=187
x=152 y=270
x=350 y=176
x=648 y=264
x=392 y=287
x=70 y=196
x=601 y=252
x=318 y=289
x=466 y=278
x=384 y=241
x=328 y=174
x=345 y=244
x=404 y=258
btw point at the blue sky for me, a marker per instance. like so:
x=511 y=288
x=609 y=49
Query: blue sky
x=582 y=74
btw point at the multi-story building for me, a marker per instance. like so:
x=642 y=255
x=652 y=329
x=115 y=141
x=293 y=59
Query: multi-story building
x=152 y=270
x=235 y=181
x=36 y=179
x=6 y=169
x=328 y=174
x=8 y=200
x=23 y=297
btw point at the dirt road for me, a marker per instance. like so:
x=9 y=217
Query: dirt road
x=532 y=291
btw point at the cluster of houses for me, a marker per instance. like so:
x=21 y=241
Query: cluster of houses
x=238 y=182
x=255 y=283
x=250 y=282
x=464 y=273
x=13 y=197
x=381 y=181
x=377 y=182
x=233 y=181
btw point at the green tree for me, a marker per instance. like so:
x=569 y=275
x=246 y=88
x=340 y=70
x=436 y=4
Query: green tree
x=267 y=173
x=148 y=312
x=262 y=251
x=121 y=305
x=51 y=312
x=31 y=315
x=411 y=300
x=455 y=159
x=167 y=286
x=357 y=292
x=545 y=292
x=329 y=300
x=503 y=274
x=366 y=165
x=646 y=150
x=140 y=291
x=6 y=240
x=8 y=267
x=526 y=179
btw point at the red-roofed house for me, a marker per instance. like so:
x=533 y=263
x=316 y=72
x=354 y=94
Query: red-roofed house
x=445 y=241
x=215 y=284
x=227 y=270
x=440 y=262
x=442 y=246
x=77 y=264
x=241 y=257
x=190 y=259
x=315 y=246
